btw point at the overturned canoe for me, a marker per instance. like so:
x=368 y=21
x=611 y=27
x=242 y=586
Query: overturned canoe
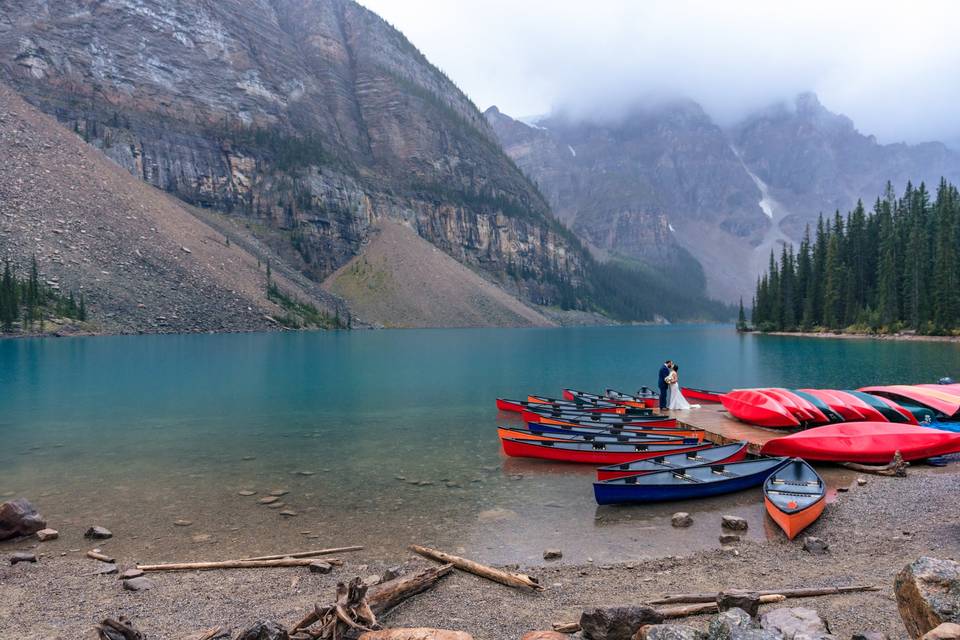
x=865 y=442
x=794 y=496
x=591 y=453
x=714 y=455
x=947 y=404
x=754 y=407
x=694 y=482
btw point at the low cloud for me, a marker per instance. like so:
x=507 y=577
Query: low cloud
x=891 y=67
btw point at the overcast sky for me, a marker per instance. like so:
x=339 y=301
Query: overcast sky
x=892 y=67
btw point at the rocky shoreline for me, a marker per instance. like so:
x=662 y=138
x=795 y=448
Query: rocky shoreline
x=873 y=531
x=904 y=337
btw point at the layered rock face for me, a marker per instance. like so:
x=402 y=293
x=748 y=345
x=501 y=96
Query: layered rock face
x=665 y=179
x=312 y=118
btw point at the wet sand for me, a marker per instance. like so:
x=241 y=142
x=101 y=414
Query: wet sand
x=873 y=531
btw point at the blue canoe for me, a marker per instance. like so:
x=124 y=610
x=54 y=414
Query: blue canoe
x=693 y=482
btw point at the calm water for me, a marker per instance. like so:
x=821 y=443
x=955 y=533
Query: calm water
x=136 y=432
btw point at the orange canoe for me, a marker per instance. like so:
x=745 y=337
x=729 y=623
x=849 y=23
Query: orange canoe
x=794 y=496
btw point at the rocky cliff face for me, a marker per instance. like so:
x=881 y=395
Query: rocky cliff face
x=313 y=119
x=668 y=179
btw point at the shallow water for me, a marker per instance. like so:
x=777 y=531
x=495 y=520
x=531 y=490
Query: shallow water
x=136 y=432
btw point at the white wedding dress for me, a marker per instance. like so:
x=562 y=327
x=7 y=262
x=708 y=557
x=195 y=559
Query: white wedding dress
x=675 y=399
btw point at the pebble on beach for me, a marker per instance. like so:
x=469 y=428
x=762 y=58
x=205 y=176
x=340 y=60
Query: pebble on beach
x=815 y=545
x=47 y=534
x=727 y=538
x=22 y=556
x=734 y=523
x=138 y=584
x=279 y=492
x=289 y=513
x=131 y=573
x=105 y=569
x=247 y=492
x=182 y=523
x=320 y=567
x=268 y=500
x=98 y=533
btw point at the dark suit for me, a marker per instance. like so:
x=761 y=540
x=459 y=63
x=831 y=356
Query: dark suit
x=662 y=384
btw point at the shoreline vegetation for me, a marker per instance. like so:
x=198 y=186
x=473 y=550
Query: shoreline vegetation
x=855 y=335
x=894 y=271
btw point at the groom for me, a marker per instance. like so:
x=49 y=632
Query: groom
x=665 y=370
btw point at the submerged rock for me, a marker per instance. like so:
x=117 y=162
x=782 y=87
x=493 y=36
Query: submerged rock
x=616 y=623
x=279 y=492
x=681 y=519
x=734 y=523
x=268 y=500
x=19 y=518
x=728 y=538
x=98 y=533
x=815 y=545
x=247 y=492
x=552 y=554
x=928 y=594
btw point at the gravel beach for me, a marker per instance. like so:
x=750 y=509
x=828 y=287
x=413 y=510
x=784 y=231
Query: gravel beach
x=873 y=531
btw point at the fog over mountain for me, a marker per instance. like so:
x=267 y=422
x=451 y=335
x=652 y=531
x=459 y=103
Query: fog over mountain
x=888 y=67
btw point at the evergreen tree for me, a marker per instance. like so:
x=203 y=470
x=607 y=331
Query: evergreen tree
x=9 y=305
x=741 y=317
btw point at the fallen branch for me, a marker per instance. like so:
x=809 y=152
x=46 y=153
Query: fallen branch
x=355 y=603
x=787 y=593
x=209 y=634
x=896 y=468
x=99 y=556
x=566 y=627
x=234 y=564
x=306 y=554
x=709 y=607
x=517 y=580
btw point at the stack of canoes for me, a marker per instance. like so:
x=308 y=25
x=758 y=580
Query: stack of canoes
x=793 y=408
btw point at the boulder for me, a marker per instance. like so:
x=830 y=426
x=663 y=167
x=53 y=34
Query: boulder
x=264 y=630
x=815 y=545
x=552 y=554
x=45 y=535
x=945 y=631
x=734 y=523
x=797 y=623
x=669 y=632
x=22 y=556
x=544 y=635
x=928 y=594
x=19 y=518
x=98 y=533
x=419 y=633
x=681 y=519
x=748 y=602
x=616 y=623
x=727 y=538
x=724 y=625
x=138 y=584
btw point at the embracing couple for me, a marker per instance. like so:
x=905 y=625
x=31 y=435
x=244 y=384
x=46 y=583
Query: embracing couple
x=669 y=382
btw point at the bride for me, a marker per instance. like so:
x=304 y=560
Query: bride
x=676 y=401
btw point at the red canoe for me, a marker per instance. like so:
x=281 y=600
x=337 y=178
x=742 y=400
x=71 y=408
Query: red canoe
x=869 y=413
x=865 y=442
x=946 y=403
x=702 y=395
x=597 y=454
x=757 y=408
x=845 y=410
x=792 y=403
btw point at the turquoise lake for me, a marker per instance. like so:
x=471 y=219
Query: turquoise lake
x=382 y=438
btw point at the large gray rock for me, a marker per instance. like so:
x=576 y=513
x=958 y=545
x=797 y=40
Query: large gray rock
x=928 y=594
x=19 y=518
x=724 y=625
x=264 y=630
x=98 y=533
x=795 y=623
x=616 y=623
x=734 y=523
x=743 y=600
x=669 y=632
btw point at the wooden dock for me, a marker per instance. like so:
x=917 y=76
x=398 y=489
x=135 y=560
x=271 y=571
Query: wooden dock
x=722 y=428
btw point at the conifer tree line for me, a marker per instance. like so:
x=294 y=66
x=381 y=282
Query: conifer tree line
x=893 y=269
x=30 y=301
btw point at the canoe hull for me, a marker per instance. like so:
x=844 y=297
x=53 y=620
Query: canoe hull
x=702 y=395
x=528 y=449
x=756 y=408
x=864 y=442
x=793 y=523
x=680 y=432
x=654 y=464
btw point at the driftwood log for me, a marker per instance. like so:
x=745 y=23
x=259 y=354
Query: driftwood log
x=95 y=555
x=896 y=468
x=307 y=554
x=517 y=580
x=234 y=564
x=121 y=629
x=678 y=598
x=682 y=611
x=356 y=608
